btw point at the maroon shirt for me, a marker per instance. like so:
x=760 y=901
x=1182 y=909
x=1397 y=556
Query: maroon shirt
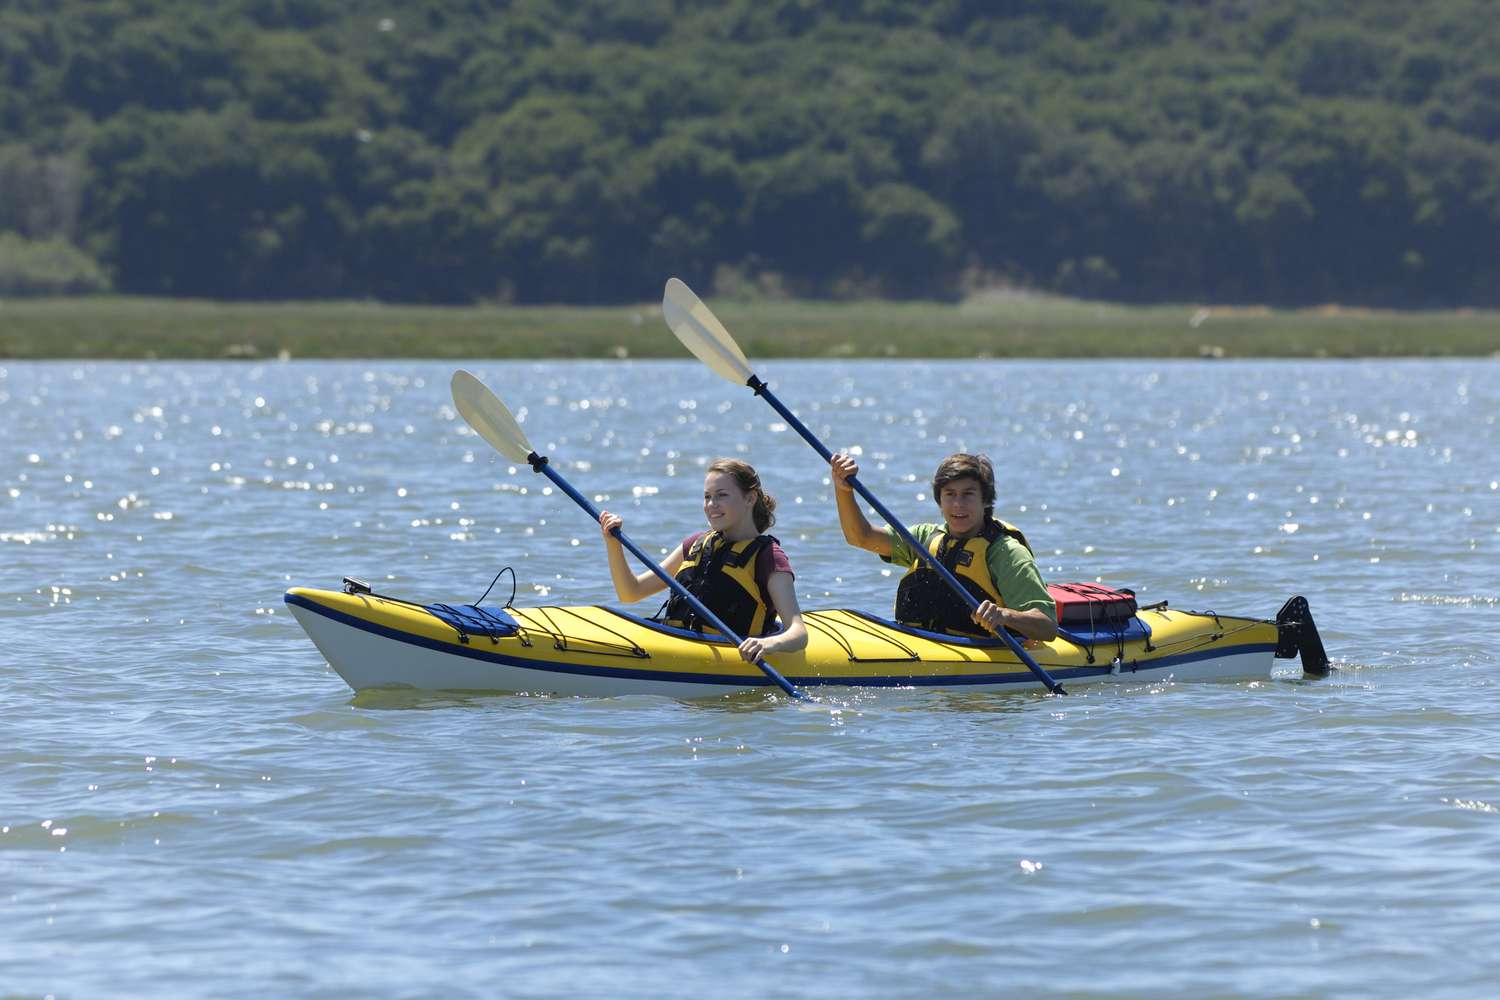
x=770 y=559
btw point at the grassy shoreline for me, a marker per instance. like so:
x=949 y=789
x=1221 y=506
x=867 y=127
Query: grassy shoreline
x=1015 y=327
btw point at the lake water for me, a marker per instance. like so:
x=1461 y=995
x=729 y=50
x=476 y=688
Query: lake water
x=192 y=803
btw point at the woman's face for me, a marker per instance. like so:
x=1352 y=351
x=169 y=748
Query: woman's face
x=727 y=507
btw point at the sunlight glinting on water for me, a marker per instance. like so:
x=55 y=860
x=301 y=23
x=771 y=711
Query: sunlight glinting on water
x=182 y=765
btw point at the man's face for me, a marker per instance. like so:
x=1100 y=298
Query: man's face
x=962 y=504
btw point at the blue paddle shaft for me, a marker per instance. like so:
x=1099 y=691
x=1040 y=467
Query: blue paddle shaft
x=764 y=391
x=540 y=464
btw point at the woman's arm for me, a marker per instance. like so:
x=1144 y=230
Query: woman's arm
x=631 y=587
x=857 y=529
x=793 y=634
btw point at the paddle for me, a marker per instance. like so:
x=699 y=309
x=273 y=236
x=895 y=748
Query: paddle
x=493 y=422
x=701 y=332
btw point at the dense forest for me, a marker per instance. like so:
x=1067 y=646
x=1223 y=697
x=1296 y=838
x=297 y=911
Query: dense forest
x=454 y=151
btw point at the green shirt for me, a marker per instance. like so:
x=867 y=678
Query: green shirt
x=1012 y=568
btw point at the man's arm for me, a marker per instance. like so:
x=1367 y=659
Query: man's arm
x=1029 y=608
x=858 y=531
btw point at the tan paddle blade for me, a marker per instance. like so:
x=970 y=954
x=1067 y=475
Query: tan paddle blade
x=489 y=417
x=701 y=332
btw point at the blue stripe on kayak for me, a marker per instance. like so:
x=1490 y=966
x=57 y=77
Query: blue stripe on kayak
x=1019 y=677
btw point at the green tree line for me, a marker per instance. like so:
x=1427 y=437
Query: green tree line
x=454 y=151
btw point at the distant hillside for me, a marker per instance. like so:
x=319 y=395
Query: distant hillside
x=580 y=151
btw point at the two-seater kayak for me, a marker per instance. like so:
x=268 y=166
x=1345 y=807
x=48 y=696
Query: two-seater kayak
x=374 y=641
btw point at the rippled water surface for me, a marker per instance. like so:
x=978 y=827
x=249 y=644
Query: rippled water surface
x=192 y=803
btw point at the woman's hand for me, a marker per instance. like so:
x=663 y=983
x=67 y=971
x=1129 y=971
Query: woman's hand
x=843 y=467
x=608 y=523
x=752 y=649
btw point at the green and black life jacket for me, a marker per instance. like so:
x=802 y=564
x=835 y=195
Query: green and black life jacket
x=722 y=575
x=926 y=601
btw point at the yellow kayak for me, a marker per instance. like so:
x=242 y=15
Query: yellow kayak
x=374 y=641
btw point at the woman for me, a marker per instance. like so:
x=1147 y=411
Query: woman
x=734 y=568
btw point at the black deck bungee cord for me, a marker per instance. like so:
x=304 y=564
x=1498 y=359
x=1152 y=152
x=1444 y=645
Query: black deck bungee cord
x=503 y=571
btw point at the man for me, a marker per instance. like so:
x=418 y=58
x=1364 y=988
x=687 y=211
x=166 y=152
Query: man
x=990 y=558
